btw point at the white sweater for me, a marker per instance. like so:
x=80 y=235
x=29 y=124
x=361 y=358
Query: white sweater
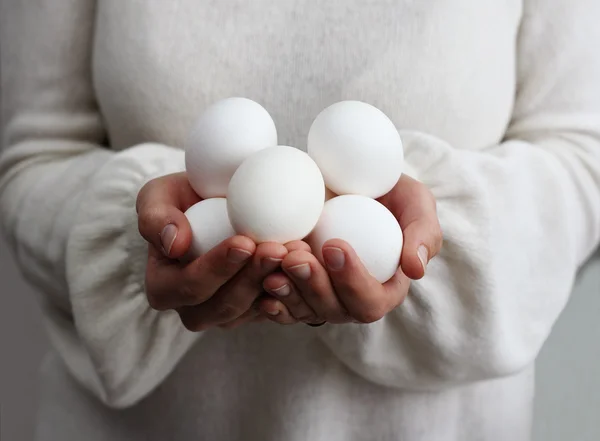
x=499 y=107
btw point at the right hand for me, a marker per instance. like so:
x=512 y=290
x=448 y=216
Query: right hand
x=218 y=288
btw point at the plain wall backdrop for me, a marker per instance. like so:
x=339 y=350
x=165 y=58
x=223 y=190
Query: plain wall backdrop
x=568 y=386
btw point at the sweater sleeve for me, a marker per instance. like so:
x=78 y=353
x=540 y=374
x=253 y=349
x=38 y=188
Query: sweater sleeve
x=67 y=205
x=519 y=218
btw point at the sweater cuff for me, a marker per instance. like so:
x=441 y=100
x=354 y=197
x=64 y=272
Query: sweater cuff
x=132 y=347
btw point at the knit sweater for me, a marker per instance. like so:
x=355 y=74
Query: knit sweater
x=498 y=105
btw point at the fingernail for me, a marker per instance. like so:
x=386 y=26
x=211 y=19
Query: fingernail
x=301 y=271
x=167 y=238
x=334 y=258
x=283 y=291
x=273 y=313
x=237 y=255
x=423 y=255
x=270 y=263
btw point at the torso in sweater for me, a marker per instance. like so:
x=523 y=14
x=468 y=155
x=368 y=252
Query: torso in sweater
x=498 y=103
x=442 y=67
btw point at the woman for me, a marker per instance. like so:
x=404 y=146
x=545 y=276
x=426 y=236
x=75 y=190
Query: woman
x=499 y=109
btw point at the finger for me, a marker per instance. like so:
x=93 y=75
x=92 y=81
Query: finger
x=236 y=297
x=363 y=296
x=422 y=241
x=247 y=317
x=161 y=220
x=282 y=288
x=314 y=284
x=415 y=208
x=297 y=245
x=170 y=284
x=276 y=311
x=261 y=317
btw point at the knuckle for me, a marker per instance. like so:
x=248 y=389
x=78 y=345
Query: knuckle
x=190 y=322
x=220 y=267
x=308 y=318
x=156 y=302
x=426 y=193
x=197 y=284
x=295 y=302
x=227 y=311
x=222 y=272
x=438 y=239
x=144 y=226
x=154 y=295
x=188 y=295
x=288 y=320
x=345 y=318
x=149 y=218
x=340 y=316
x=323 y=297
x=247 y=282
x=156 y=214
x=438 y=235
x=142 y=196
x=371 y=315
x=431 y=197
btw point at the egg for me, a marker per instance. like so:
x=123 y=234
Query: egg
x=370 y=229
x=357 y=148
x=226 y=133
x=210 y=225
x=276 y=195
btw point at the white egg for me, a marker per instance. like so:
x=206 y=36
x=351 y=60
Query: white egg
x=226 y=133
x=210 y=225
x=276 y=195
x=357 y=148
x=368 y=226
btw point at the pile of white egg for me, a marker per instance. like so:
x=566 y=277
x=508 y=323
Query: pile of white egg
x=252 y=186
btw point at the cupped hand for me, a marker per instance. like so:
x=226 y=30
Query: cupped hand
x=343 y=291
x=218 y=288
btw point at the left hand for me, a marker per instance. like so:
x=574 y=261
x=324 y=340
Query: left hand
x=345 y=291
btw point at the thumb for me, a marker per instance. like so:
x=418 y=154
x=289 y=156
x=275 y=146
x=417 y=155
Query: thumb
x=414 y=206
x=161 y=220
x=422 y=241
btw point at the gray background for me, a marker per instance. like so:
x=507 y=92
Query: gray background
x=568 y=390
